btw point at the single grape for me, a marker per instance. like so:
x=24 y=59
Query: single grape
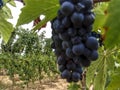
x=88 y=4
x=79 y=7
x=69 y=53
x=94 y=55
x=64 y=36
x=55 y=24
x=79 y=70
x=60 y=15
x=75 y=76
x=61 y=60
x=82 y=31
x=61 y=68
x=66 y=44
x=78 y=49
x=66 y=22
x=77 y=19
x=87 y=52
x=85 y=62
x=71 y=32
x=71 y=65
x=88 y=19
x=92 y=43
x=76 y=40
x=66 y=74
x=67 y=8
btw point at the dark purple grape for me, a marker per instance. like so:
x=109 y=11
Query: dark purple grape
x=76 y=1
x=88 y=19
x=77 y=19
x=78 y=49
x=89 y=28
x=61 y=60
x=59 y=29
x=66 y=22
x=62 y=1
x=58 y=51
x=87 y=52
x=79 y=70
x=77 y=60
x=85 y=62
x=88 y=4
x=66 y=44
x=55 y=24
x=66 y=74
x=64 y=36
x=76 y=40
x=60 y=15
x=71 y=65
x=82 y=31
x=79 y=7
x=69 y=53
x=67 y=8
x=94 y=55
x=71 y=32
x=75 y=76
x=53 y=45
x=92 y=43
x=61 y=68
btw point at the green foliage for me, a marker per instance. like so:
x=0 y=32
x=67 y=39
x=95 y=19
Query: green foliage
x=34 y=9
x=99 y=73
x=113 y=24
x=5 y=27
x=73 y=86
x=28 y=56
x=115 y=81
x=100 y=16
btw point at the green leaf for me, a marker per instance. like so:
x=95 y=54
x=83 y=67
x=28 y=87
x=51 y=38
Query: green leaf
x=113 y=24
x=100 y=79
x=12 y=2
x=97 y=72
x=5 y=29
x=100 y=16
x=115 y=81
x=6 y=12
x=35 y=8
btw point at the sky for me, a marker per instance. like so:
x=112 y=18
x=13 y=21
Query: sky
x=16 y=12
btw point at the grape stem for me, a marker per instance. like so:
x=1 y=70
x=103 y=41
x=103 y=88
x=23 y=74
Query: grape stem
x=83 y=82
x=98 y=1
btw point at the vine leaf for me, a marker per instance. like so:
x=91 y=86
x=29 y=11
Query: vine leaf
x=115 y=81
x=113 y=24
x=5 y=27
x=100 y=16
x=97 y=72
x=35 y=8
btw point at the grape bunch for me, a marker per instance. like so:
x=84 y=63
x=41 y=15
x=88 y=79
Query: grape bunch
x=74 y=43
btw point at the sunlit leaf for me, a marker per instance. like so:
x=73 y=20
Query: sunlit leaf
x=35 y=8
x=113 y=24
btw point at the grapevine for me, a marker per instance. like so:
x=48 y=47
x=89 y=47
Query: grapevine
x=74 y=42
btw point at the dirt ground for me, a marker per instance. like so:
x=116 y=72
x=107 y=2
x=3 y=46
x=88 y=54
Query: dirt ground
x=57 y=84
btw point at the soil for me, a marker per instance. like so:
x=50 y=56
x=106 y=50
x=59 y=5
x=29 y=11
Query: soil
x=56 y=84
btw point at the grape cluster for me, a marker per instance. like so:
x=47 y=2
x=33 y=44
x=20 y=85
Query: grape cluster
x=73 y=41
